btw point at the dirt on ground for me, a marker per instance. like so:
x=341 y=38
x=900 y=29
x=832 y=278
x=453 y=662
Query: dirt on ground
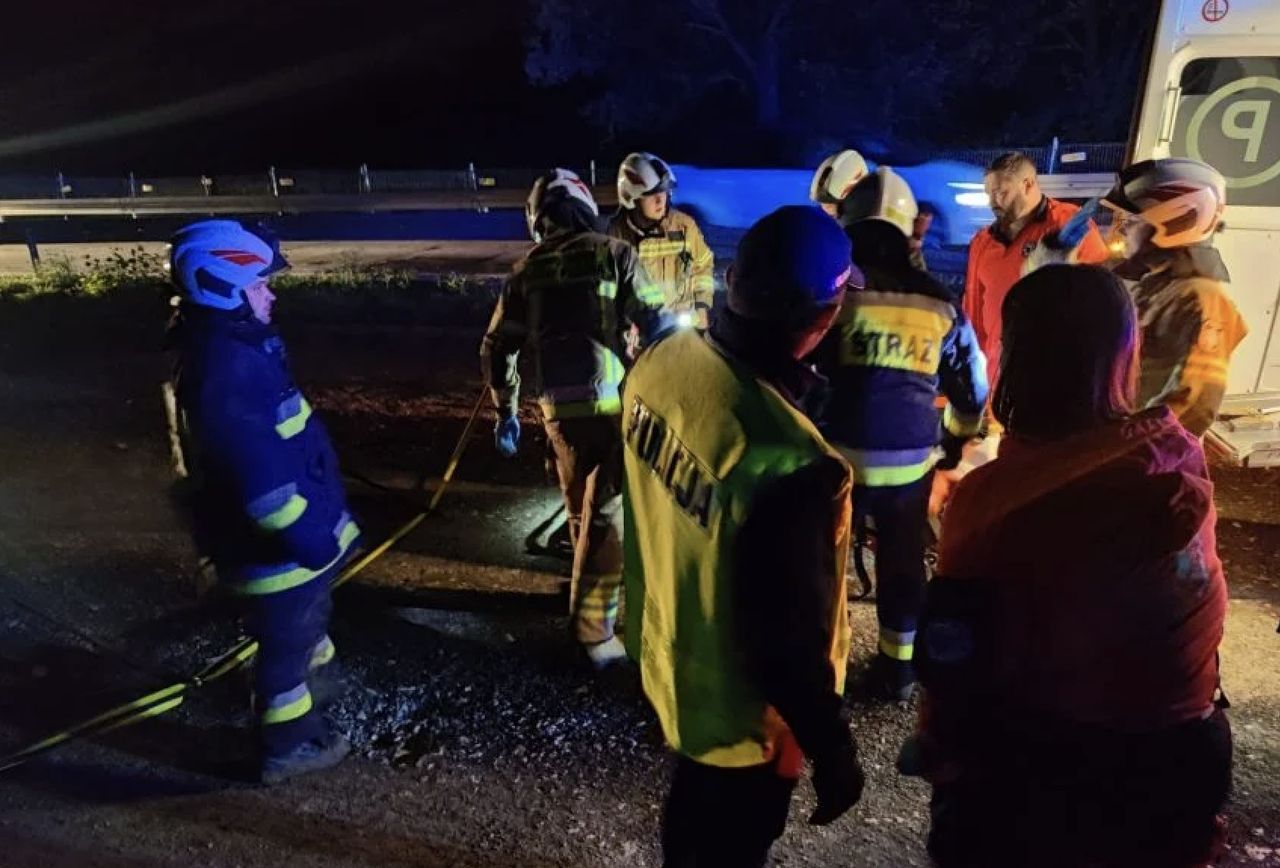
x=480 y=737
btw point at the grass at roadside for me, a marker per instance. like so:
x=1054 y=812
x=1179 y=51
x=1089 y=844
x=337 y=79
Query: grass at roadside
x=136 y=283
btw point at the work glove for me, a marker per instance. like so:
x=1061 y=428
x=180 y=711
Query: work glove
x=506 y=436
x=838 y=781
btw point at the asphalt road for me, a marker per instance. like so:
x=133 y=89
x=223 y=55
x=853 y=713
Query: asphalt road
x=480 y=738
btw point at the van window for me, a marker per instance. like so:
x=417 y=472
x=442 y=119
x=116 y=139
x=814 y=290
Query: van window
x=1229 y=116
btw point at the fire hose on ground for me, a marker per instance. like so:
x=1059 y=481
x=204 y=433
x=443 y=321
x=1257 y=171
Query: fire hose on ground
x=168 y=698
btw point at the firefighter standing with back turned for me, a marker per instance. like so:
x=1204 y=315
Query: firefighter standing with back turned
x=737 y=531
x=897 y=344
x=672 y=250
x=571 y=300
x=267 y=502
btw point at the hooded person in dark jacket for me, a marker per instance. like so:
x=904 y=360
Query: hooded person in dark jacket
x=267 y=504
x=1069 y=646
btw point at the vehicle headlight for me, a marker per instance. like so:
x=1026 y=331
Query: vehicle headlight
x=684 y=319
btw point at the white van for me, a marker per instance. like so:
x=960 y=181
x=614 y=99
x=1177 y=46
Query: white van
x=1213 y=93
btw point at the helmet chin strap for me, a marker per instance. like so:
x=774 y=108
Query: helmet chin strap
x=643 y=223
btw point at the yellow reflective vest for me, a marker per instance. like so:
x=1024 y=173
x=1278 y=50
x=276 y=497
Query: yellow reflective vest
x=702 y=435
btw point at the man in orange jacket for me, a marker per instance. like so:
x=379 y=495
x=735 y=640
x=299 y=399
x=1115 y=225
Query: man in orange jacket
x=1024 y=216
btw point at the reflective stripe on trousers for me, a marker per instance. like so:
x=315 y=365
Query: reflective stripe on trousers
x=588 y=455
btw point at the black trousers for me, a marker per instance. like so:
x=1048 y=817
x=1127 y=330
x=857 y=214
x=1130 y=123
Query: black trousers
x=1087 y=800
x=900 y=515
x=724 y=818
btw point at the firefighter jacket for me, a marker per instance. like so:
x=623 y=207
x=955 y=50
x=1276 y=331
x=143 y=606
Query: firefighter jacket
x=995 y=265
x=737 y=520
x=896 y=344
x=1101 y=597
x=571 y=300
x=266 y=498
x=1190 y=326
x=675 y=256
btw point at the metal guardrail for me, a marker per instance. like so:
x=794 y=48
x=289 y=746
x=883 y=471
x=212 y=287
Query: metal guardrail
x=440 y=200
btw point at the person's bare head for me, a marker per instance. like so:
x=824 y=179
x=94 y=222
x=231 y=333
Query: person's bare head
x=1012 y=187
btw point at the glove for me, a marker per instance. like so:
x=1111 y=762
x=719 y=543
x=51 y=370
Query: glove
x=838 y=780
x=506 y=436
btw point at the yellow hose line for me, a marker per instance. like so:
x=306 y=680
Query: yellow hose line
x=169 y=698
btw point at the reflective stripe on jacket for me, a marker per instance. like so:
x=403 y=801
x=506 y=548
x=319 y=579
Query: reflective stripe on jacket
x=268 y=504
x=675 y=256
x=571 y=301
x=896 y=345
x=1190 y=327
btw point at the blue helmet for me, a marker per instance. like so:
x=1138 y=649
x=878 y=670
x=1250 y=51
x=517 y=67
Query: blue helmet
x=214 y=261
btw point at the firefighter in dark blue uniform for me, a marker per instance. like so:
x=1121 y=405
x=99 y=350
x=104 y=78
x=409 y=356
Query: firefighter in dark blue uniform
x=897 y=344
x=267 y=503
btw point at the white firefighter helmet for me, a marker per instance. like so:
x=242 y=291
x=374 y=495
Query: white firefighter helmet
x=557 y=185
x=836 y=176
x=641 y=174
x=882 y=195
x=1182 y=200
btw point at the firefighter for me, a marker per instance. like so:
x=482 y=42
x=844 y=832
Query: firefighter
x=898 y=343
x=267 y=502
x=1166 y=213
x=737 y=530
x=571 y=300
x=1024 y=216
x=834 y=179
x=1069 y=643
x=672 y=249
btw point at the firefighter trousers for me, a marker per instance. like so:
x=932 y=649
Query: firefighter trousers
x=900 y=515
x=291 y=628
x=588 y=454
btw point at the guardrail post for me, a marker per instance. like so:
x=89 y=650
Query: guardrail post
x=593 y=173
x=1053 y=155
x=33 y=250
x=133 y=187
x=275 y=184
x=366 y=183
x=62 y=186
x=472 y=177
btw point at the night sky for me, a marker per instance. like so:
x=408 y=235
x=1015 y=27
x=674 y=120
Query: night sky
x=236 y=85
x=162 y=87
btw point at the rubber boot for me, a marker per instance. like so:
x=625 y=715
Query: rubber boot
x=313 y=755
x=605 y=655
x=890 y=679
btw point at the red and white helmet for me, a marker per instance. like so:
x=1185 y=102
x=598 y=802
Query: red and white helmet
x=836 y=176
x=1182 y=200
x=558 y=185
x=641 y=174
